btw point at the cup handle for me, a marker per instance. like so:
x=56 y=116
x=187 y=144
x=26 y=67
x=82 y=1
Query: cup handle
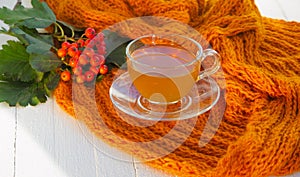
x=214 y=67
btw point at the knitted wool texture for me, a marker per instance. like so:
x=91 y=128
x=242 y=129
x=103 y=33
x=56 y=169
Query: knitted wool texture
x=259 y=134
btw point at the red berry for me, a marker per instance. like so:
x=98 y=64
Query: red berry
x=77 y=55
x=80 y=79
x=90 y=33
x=80 y=42
x=65 y=76
x=73 y=62
x=83 y=59
x=72 y=51
x=94 y=69
x=102 y=43
x=98 y=38
x=97 y=60
x=103 y=69
x=101 y=49
x=89 y=52
x=86 y=43
x=61 y=52
x=77 y=70
x=74 y=45
x=89 y=76
x=65 y=45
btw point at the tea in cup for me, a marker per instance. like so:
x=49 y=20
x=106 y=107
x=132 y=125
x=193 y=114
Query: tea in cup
x=164 y=69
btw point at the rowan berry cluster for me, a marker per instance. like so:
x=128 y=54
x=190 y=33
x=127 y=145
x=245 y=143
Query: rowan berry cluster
x=84 y=58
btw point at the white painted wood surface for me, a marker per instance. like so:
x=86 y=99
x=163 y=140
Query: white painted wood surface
x=44 y=141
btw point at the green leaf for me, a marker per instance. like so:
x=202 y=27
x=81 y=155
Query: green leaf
x=22 y=93
x=113 y=40
x=40 y=76
x=34 y=101
x=68 y=27
x=118 y=56
x=4 y=78
x=37 y=43
x=28 y=93
x=116 y=46
x=37 y=4
x=39 y=16
x=52 y=80
x=44 y=62
x=14 y=62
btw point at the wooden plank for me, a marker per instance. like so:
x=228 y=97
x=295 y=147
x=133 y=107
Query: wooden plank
x=55 y=143
x=35 y=150
x=290 y=9
x=35 y=143
x=26 y=3
x=146 y=171
x=109 y=161
x=50 y=142
x=74 y=154
x=270 y=8
x=7 y=139
x=70 y=149
x=7 y=118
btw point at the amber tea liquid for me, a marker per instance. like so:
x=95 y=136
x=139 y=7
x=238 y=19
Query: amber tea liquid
x=163 y=73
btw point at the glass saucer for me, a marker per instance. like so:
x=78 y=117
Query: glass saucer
x=202 y=97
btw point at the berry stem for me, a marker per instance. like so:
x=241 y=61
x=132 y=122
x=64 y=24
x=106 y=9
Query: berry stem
x=60 y=29
x=62 y=36
x=73 y=33
x=54 y=48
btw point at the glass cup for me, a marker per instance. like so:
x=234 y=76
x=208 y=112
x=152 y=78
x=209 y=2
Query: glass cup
x=164 y=69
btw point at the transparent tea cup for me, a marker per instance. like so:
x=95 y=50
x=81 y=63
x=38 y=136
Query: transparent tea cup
x=165 y=78
x=164 y=68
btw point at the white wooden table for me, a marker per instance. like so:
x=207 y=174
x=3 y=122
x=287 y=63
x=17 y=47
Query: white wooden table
x=44 y=141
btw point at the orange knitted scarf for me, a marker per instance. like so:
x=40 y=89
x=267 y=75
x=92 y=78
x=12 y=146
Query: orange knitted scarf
x=260 y=131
